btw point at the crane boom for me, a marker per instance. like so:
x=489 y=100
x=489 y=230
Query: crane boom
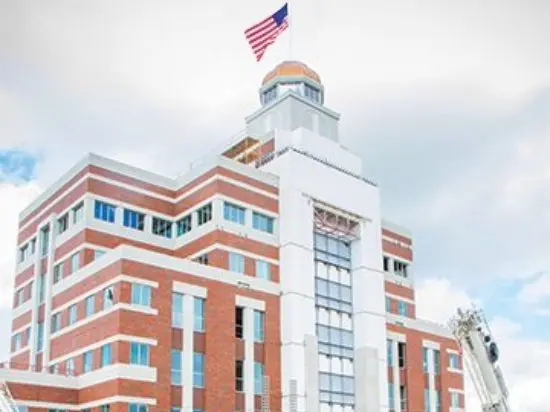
x=480 y=353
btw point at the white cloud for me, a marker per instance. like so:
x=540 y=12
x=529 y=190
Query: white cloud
x=535 y=290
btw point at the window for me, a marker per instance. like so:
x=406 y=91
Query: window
x=106 y=355
x=33 y=245
x=236 y=262
x=183 y=225
x=23 y=253
x=137 y=407
x=262 y=222
x=17 y=341
x=176 y=367
x=44 y=240
x=202 y=259
x=56 y=322
x=401 y=353
x=426 y=400
x=104 y=211
x=90 y=305
x=98 y=253
x=75 y=262
x=177 y=310
x=437 y=362
x=78 y=213
x=239 y=376
x=425 y=360
x=41 y=285
x=239 y=317
x=141 y=294
x=87 y=361
x=105 y=408
x=403 y=395
x=437 y=401
x=134 y=220
x=198 y=370
x=400 y=268
x=199 y=314
x=108 y=297
x=63 y=223
x=388 y=304
x=389 y=352
x=72 y=314
x=258 y=378
x=455 y=400
x=259 y=322
x=69 y=366
x=386 y=264
x=402 y=308
x=453 y=361
x=391 y=400
x=21 y=408
x=233 y=213
x=57 y=272
x=204 y=214
x=139 y=354
x=263 y=269
x=162 y=227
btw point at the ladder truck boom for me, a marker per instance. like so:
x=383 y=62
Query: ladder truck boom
x=480 y=354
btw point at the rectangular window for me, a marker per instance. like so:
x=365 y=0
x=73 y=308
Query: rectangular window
x=402 y=308
x=453 y=361
x=106 y=355
x=198 y=370
x=141 y=294
x=57 y=272
x=63 y=223
x=204 y=214
x=133 y=219
x=23 y=253
x=177 y=310
x=258 y=378
x=455 y=400
x=262 y=222
x=402 y=353
x=386 y=263
x=183 y=225
x=90 y=305
x=263 y=269
x=78 y=213
x=17 y=342
x=437 y=401
x=391 y=401
x=427 y=400
x=56 y=322
x=108 y=297
x=437 y=362
x=236 y=262
x=44 y=240
x=105 y=408
x=137 y=407
x=139 y=354
x=41 y=286
x=33 y=246
x=75 y=262
x=400 y=268
x=98 y=253
x=199 y=314
x=233 y=213
x=425 y=354
x=389 y=352
x=104 y=211
x=69 y=367
x=239 y=376
x=388 y=304
x=72 y=314
x=259 y=326
x=403 y=395
x=202 y=259
x=87 y=361
x=162 y=227
x=176 y=366
x=239 y=322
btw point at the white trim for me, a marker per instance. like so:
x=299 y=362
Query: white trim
x=399 y=280
x=454 y=370
x=69 y=254
x=226 y=248
x=430 y=344
x=246 y=302
x=99 y=344
x=189 y=289
x=397 y=242
x=460 y=391
x=22 y=285
x=27 y=263
x=22 y=309
x=117 y=370
x=246 y=205
x=21 y=329
x=452 y=351
x=20 y=351
x=93 y=404
x=401 y=298
x=420 y=325
x=104 y=312
x=396 y=336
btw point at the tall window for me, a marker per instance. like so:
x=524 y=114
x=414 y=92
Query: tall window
x=104 y=211
x=259 y=321
x=233 y=213
x=400 y=268
x=427 y=407
x=57 y=272
x=56 y=322
x=198 y=370
x=137 y=407
x=108 y=297
x=389 y=352
x=204 y=214
x=141 y=294
x=87 y=361
x=402 y=308
x=63 y=223
x=258 y=378
x=41 y=286
x=403 y=396
x=453 y=361
x=72 y=314
x=75 y=262
x=176 y=366
x=105 y=408
x=106 y=355
x=44 y=240
x=455 y=400
x=139 y=354
x=90 y=305
x=177 y=310
x=402 y=353
x=388 y=304
x=239 y=322
x=183 y=225
x=239 y=376
x=391 y=396
x=437 y=362
x=199 y=314
x=262 y=222
x=78 y=213
x=133 y=219
x=69 y=367
x=263 y=269
x=236 y=262
x=162 y=227
x=437 y=401
x=425 y=359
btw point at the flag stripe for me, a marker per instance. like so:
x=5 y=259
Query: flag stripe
x=263 y=34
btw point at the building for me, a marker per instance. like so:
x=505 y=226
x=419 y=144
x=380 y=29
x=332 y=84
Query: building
x=264 y=279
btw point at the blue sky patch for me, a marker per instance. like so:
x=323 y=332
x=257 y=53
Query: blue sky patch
x=16 y=166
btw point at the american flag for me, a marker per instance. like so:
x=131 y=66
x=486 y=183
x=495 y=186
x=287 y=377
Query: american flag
x=264 y=33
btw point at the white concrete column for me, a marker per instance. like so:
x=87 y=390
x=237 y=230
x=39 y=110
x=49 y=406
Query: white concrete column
x=188 y=349
x=34 y=298
x=148 y=224
x=396 y=376
x=119 y=215
x=48 y=287
x=248 y=359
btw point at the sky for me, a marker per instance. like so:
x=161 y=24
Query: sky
x=447 y=102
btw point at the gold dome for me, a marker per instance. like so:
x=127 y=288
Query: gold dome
x=291 y=69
